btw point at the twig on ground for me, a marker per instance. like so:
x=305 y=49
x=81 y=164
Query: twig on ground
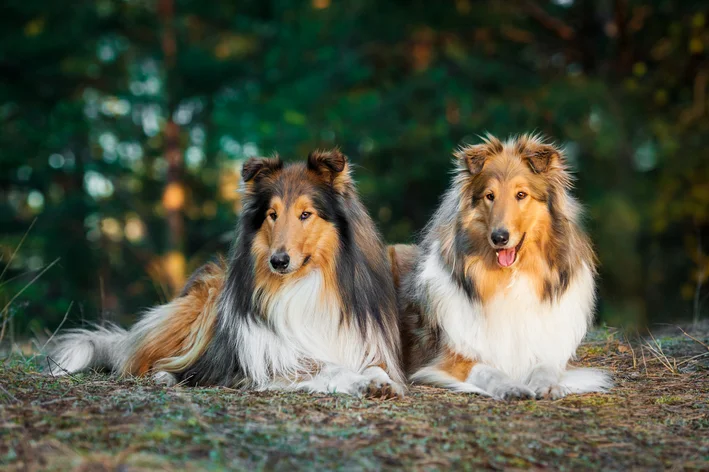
x=693 y=338
x=183 y=382
x=57 y=400
x=9 y=394
x=58 y=327
x=698 y=356
x=68 y=374
x=657 y=351
x=642 y=350
x=635 y=360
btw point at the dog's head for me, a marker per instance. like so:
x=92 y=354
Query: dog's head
x=507 y=192
x=294 y=211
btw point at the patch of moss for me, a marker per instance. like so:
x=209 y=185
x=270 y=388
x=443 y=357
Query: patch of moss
x=592 y=351
x=669 y=400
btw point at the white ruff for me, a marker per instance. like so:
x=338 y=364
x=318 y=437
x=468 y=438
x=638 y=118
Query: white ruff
x=305 y=329
x=515 y=331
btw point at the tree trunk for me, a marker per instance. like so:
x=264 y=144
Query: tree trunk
x=174 y=193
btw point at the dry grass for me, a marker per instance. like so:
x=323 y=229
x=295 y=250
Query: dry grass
x=656 y=418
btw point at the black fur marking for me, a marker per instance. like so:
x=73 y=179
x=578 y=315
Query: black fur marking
x=548 y=290
x=193 y=278
x=366 y=290
x=365 y=284
x=219 y=364
x=239 y=286
x=564 y=280
x=464 y=247
x=557 y=253
x=257 y=168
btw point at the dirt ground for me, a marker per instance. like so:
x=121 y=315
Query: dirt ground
x=657 y=417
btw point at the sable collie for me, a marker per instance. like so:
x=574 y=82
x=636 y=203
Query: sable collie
x=501 y=291
x=305 y=302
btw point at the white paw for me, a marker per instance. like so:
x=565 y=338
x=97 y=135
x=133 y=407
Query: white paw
x=351 y=385
x=373 y=382
x=553 y=392
x=380 y=385
x=164 y=378
x=513 y=391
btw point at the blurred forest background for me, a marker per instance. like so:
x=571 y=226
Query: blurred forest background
x=123 y=125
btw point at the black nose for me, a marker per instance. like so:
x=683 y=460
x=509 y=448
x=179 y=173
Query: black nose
x=280 y=260
x=500 y=237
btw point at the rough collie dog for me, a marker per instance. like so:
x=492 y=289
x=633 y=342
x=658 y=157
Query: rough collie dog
x=305 y=302
x=502 y=287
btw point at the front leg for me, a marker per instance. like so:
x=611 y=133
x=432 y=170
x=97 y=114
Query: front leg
x=498 y=384
x=380 y=384
x=545 y=382
x=461 y=374
x=331 y=378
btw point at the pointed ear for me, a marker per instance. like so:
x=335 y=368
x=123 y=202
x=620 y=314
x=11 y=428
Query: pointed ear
x=473 y=157
x=332 y=166
x=257 y=168
x=541 y=157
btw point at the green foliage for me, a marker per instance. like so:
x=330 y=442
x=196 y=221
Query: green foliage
x=87 y=92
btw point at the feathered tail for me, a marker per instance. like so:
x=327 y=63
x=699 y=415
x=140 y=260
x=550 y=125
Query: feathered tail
x=82 y=349
x=586 y=380
x=168 y=338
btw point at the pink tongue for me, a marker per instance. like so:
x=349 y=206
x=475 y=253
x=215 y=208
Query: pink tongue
x=506 y=257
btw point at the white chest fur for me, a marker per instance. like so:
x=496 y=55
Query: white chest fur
x=304 y=328
x=514 y=331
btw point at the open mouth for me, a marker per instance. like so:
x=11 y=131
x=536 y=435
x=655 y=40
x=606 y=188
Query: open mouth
x=506 y=257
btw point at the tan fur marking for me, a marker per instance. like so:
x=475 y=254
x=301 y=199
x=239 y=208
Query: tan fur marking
x=490 y=278
x=509 y=170
x=455 y=365
x=381 y=365
x=554 y=248
x=187 y=332
x=391 y=253
x=402 y=258
x=314 y=238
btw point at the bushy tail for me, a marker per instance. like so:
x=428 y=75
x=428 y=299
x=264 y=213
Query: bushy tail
x=82 y=349
x=586 y=380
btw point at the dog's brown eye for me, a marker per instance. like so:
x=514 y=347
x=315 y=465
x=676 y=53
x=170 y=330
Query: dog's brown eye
x=521 y=195
x=490 y=196
x=305 y=215
x=273 y=216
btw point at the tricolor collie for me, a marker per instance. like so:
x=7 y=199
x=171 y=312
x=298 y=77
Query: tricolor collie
x=502 y=289
x=305 y=302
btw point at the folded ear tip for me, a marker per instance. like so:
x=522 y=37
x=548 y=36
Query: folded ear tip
x=472 y=156
x=339 y=160
x=541 y=160
x=254 y=165
x=333 y=159
x=250 y=168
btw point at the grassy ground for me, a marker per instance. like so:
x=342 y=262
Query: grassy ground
x=657 y=417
